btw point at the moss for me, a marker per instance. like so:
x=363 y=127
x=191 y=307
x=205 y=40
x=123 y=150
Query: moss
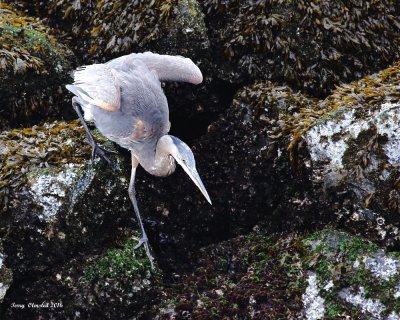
x=122 y=263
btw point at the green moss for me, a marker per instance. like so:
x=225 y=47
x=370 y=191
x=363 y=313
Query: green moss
x=122 y=263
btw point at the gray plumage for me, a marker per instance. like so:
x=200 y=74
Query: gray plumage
x=125 y=100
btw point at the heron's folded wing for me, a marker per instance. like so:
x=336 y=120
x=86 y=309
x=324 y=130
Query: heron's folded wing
x=168 y=68
x=96 y=84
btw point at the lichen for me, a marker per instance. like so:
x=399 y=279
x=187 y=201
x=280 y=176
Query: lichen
x=371 y=306
x=359 y=274
x=314 y=308
x=50 y=189
x=6 y=276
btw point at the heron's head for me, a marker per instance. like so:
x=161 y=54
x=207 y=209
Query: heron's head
x=181 y=152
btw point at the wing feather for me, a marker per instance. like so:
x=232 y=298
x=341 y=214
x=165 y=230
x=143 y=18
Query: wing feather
x=97 y=84
x=167 y=68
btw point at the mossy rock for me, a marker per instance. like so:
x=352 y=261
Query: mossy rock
x=104 y=29
x=311 y=45
x=33 y=70
x=350 y=142
x=113 y=284
x=55 y=202
x=328 y=274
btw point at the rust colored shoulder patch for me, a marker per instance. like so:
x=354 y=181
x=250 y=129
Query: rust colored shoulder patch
x=104 y=105
x=138 y=130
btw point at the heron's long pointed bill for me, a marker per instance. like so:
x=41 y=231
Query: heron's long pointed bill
x=193 y=174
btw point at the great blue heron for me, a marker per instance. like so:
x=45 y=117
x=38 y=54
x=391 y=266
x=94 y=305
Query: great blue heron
x=125 y=100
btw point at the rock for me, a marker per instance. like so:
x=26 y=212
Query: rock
x=326 y=274
x=5 y=277
x=298 y=162
x=350 y=142
x=110 y=30
x=60 y=213
x=114 y=285
x=311 y=46
x=34 y=68
x=352 y=276
x=53 y=201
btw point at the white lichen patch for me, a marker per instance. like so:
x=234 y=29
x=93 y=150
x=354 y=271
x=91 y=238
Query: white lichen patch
x=387 y=123
x=366 y=305
x=397 y=291
x=393 y=316
x=329 y=285
x=322 y=143
x=3 y=285
x=313 y=303
x=382 y=266
x=3 y=290
x=328 y=140
x=50 y=190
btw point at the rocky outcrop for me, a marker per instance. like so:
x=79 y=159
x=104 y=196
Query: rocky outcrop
x=114 y=284
x=322 y=275
x=33 y=70
x=350 y=142
x=112 y=29
x=311 y=46
x=58 y=207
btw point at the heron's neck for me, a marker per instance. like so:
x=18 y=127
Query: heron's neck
x=162 y=163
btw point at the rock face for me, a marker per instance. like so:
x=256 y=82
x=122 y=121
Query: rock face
x=323 y=275
x=312 y=46
x=5 y=277
x=47 y=190
x=109 y=29
x=55 y=208
x=351 y=142
x=33 y=71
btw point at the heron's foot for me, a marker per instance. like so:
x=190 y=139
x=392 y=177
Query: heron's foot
x=145 y=243
x=101 y=152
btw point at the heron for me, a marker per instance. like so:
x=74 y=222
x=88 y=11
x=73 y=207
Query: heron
x=125 y=100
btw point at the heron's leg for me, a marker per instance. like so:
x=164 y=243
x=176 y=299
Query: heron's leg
x=96 y=149
x=132 y=195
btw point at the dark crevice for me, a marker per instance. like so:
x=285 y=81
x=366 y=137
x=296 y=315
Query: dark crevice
x=191 y=118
